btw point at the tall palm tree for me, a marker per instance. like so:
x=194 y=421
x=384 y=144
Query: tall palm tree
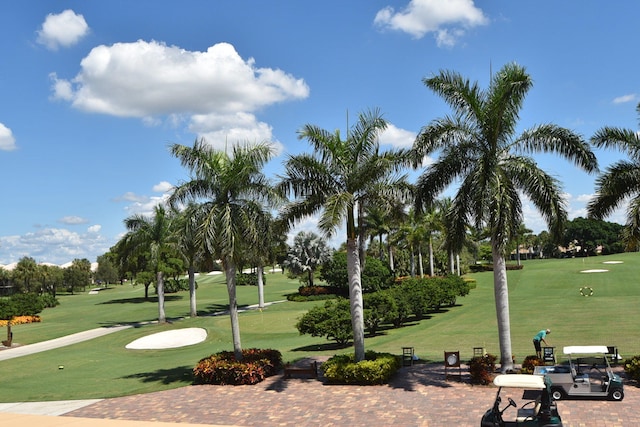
x=340 y=178
x=234 y=194
x=479 y=147
x=155 y=236
x=620 y=181
x=190 y=246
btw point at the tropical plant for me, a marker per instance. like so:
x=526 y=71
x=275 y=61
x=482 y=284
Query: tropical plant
x=153 y=235
x=308 y=253
x=620 y=181
x=479 y=147
x=235 y=195
x=341 y=178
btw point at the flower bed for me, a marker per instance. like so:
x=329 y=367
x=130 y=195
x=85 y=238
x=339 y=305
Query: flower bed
x=21 y=320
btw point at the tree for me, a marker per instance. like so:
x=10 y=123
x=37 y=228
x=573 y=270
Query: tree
x=21 y=304
x=106 y=271
x=478 y=146
x=620 y=181
x=234 y=194
x=155 y=236
x=78 y=274
x=341 y=178
x=25 y=275
x=190 y=246
x=592 y=235
x=308 y=252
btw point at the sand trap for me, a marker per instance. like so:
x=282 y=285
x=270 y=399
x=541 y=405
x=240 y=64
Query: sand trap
x=613 y=262
x=169 y=339
x=594 y=271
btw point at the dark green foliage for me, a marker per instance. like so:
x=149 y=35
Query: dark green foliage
x=49 y=301
x=482 y=368
x=377 y=368
x=379 y=308
x=375 y=276
x=249 y=279
x=172 y=286
x=590 y=234
x=302 y=298
x=332 y=320
x=632 y=368
x=402 y=304
x=223 y=369
x=529 y=364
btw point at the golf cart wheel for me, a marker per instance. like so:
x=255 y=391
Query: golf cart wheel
x=557 y=393
x=616 y=394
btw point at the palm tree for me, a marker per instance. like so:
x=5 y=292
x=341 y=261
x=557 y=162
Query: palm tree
x=479 y=147
x=620 y=181
x=340 y=179
x=234 y=194
x=155 y=236
x=308 y=253
x=190 y=246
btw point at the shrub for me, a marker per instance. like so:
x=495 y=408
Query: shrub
x=375 y=275
x=301 y=298
x=481 y=369
x=379 y=308
x=249 y=279
x=332 y=320
x=172 y=286
x=223 y=369
x=377 y=368
x=49 y=300
x=529 y=364
x=632 y=368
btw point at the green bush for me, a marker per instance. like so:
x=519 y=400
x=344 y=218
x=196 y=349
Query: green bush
x=377 y=368
x=332 y=320
x=379 y=308
x=49 y=300
x=172 y=286
x=249 y=279
x=375 y=275
x=632 y=368
x=302 y=298
x=223 y=369
x=481 y=369
x=529 y=364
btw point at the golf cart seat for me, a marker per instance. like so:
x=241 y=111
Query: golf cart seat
x=579 y=377
x=529 y=414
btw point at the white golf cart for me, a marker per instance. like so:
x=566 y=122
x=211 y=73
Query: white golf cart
x=538 y=409
x=587 y=374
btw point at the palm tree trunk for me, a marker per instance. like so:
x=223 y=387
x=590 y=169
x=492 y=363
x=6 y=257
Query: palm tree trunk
x=260 y=273
x=230 y=272
x=162 y=318
x=392 y=267
x=193 y=311
x=501 y=294
x=430 y=255
x=355 y=298
x=420 y=266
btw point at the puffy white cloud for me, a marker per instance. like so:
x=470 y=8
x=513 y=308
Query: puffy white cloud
x=64 y=29
x=396 y=137
x=216 y=91
x=162 y=187
x=7 y=141
x=53 y=245
x=446 y=19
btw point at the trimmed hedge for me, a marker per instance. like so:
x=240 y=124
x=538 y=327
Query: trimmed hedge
x=223 y=369
x=632 y=368
x=377 y=368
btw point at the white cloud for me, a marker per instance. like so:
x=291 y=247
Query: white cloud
x=625 y=98
x=94 y=229
x=216 y=92
x=53 y=245
x=162 y=187
x=396 y=137
x=7 y=141
x=64 y=29
x=447 y=20
x=73 y=220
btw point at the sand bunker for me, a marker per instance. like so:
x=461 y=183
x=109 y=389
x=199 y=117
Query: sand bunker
x=169 y=339
x=612 y=262
x=594 y=271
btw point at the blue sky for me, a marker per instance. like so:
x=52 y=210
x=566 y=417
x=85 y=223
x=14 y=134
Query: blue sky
x=93 y=93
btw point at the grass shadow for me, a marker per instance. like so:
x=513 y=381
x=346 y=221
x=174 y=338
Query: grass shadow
x=332 y=346
x=141 y=300
x=181 y=374
x=216 y=309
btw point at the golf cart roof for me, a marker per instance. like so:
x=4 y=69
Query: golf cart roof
x=520 y=381
x=585 y=349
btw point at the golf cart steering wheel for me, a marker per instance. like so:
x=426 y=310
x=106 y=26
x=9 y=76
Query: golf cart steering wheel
x=512 y=402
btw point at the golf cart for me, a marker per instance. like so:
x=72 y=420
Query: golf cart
x=587 y=374
x=538 y=409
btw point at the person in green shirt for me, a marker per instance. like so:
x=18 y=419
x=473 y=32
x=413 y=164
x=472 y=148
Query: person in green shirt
x=540 y=336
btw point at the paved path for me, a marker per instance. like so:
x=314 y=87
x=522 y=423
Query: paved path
x=419 y=396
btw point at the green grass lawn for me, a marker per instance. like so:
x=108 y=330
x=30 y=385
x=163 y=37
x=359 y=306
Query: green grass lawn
x=545 y=294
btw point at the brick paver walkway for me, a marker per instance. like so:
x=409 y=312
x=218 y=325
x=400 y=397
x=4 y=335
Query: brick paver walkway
x=419 y=396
